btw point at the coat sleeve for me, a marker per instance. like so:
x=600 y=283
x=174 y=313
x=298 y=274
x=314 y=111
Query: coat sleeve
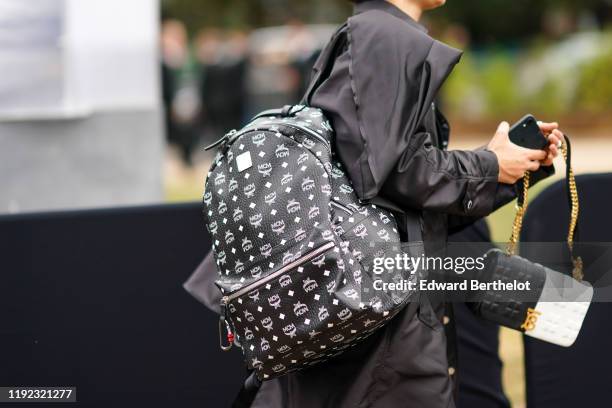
x=396 y=71
x=452 y=182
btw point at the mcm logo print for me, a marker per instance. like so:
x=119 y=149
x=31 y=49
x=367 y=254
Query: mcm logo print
x=267 y=323
x=256 y=364
x=327 y=166
x=270 y=198
x=357 y=276
x=256 y=272
x=358 y=255
x=249 y=191
x=308 y=184
x=221 y=258
x=247 y=244
x=287 y=178
x=266 y=250
x=233 y=184
x=309 y=144
x=309 y=285
x=278 y=227
x=207 y=198
x=259 y=139
x=230 y=156
x=331 y=286
x=303 y=158
x=265 y=169
x=281 y=151
x=363 y=211
x=346 y=189
x=293 y=206
x=254 y=295
x=249 y=316
x=313 y=212
x=279 y=368
x=283 y=349
x=239 y=267
x=337 y=338
x=376 y=303
x=290 y=330
x=337 y=173
x=284 y=281
x=360 y=231
x=319 y=261
x=213 y=228
x=248 y=334
x=229 y=237
x=338 y=229
x=313 y=334
x=274 y=301
x=345 y=314
x=327 y=235
x=256 y=220
x=326 y=189
x=288 y=257
x=383 y=217
x=351 y=294
x=300 y=235
x=308 y=353
x=299 y=308
x=323 y=313
x=265 y=344
x=384 y=235
x=222 y=207
x=219 y=179
x=340 y=264
x=237 y=214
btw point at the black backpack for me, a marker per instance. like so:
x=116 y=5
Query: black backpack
x=293 y=244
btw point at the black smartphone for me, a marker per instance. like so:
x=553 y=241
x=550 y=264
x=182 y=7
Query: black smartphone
x=527 y=133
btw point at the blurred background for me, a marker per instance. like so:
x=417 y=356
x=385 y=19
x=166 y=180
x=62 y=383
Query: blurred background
x=109 y=103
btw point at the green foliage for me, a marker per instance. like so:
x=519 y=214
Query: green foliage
x=498 y=79
x=595 y=85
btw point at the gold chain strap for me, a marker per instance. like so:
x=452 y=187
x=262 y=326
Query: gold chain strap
x=518 y=218
x=577 y=271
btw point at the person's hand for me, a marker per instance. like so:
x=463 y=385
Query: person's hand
x=555 y=138
x=515 y=160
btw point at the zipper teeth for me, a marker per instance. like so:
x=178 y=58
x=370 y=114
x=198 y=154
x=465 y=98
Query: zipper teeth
x=294 y=264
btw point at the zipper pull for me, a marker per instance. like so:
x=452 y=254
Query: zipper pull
x=224 y=139
x=224 y=324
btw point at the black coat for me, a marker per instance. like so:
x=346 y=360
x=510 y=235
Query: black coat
x=379 y=97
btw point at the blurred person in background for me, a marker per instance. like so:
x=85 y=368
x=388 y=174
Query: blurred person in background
x=181 y=102
x=223 y=62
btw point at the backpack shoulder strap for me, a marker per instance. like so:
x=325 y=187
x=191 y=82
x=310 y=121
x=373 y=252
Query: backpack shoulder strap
x=324 y=63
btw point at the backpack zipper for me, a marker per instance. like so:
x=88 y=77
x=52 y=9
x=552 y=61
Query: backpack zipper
x=341 y=206
x=225 y=300
x=291 y=265
x=233 y=135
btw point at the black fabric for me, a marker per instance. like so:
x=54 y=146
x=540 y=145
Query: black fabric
x=248 y=392
x=93 y=299
x=579 y=375
x=480 y=368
